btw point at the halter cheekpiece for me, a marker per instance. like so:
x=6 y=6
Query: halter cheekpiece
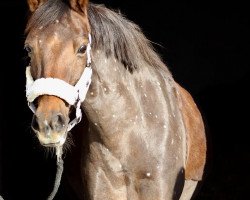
x=73 y=95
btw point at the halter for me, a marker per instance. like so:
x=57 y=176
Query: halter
x=73 y=95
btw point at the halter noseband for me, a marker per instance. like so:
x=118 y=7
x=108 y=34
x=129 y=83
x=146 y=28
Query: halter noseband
x=73 y=95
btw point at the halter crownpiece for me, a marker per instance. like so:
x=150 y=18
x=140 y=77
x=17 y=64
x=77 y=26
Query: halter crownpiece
x=73 y=95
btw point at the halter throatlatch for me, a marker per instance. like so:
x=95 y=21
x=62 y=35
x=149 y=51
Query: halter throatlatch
x=73 y=95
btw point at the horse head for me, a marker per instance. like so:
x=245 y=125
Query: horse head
x=57 y=42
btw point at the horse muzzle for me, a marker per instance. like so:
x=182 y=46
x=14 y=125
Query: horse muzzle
x=51 y=129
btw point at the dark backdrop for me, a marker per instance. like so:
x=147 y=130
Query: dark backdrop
x=205 y=45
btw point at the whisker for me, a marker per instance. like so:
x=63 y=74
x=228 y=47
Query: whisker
x=68 y=143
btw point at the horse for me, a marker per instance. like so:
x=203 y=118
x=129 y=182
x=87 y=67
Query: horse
x=140 y=135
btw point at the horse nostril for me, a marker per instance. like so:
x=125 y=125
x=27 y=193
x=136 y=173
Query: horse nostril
x=54 y=123
x=61 y=119
x=43 y=127
x=58 y=122
x=34 y=123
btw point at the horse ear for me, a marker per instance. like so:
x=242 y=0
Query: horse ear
x=34 y=4
x=79 y=5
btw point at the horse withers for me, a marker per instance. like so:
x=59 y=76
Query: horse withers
x=141 y=135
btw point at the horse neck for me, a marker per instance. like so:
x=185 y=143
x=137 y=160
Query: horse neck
x=122 y=106
x=117 y=95
x=111 y=89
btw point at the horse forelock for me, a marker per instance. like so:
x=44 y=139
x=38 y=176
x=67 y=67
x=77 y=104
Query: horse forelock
x=47 y=14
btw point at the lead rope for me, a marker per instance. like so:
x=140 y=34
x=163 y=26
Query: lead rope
x=59 y=172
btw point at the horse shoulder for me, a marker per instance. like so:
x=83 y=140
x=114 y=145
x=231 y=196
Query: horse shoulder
x=195 y=132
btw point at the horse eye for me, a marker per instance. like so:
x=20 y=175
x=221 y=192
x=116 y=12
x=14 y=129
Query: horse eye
x=82 y=49
x=28 y=49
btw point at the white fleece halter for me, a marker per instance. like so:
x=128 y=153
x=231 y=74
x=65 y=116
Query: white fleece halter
x=73 y=95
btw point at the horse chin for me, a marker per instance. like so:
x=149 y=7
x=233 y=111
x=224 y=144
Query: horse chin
x=57 y=140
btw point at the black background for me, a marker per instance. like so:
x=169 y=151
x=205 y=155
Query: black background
x=205 y=45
